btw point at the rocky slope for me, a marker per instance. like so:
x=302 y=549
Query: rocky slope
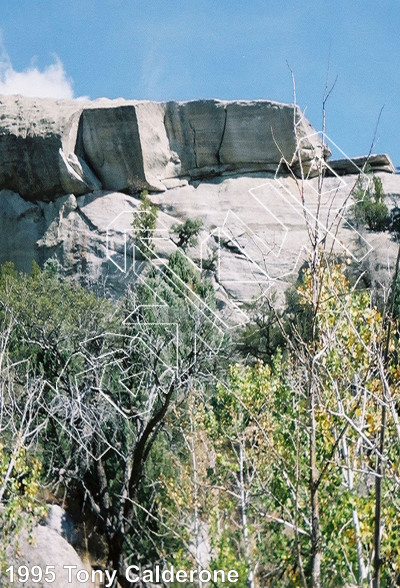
x=71 y=173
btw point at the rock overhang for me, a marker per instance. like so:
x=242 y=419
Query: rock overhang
x=69 y=172
x=52 y=147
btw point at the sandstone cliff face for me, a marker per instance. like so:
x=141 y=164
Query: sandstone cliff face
x=71 y=171
x=49 y=148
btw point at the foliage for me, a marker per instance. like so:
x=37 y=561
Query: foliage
x=20 y=483
x=257 y=435
x=125 y=415
x=369 y=208
x=240 y=426
x=262 y=336
x=187 y=233
x=109 y=376
x=52 y=318
x=184 y=276
x=144 y=224
x=210 y=263
x=394 y=225
x=349 y=350
x=51 y=267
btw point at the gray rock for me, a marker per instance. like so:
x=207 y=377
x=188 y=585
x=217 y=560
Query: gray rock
x=76 y=176
x=52 y=147
x=377 y=163
x=111 y=144
x=47 y=548
x=159 y=160
x=259 y=134
x=211 y=137
x=195 y=132
x=31 y=132
x=254 y=225
x=202 y=159
x=21 y=225
x=58 y=520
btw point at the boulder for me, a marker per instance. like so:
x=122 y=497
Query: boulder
x=52 y=147
x=67 y=166
x=160 y=162
x=259 y=134
x=59 y=520
x=111 y=145
x=195 y=131
x=31 y=132
x=75 y=175
x=46 y=548
x=212 y=137
x=377 y=163
x=254 y=222
x=21 y=225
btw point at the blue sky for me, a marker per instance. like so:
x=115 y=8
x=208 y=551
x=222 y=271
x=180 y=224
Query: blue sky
x=228 y=49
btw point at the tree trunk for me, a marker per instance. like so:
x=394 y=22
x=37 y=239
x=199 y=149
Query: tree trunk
x=116 y=559
x=316 y=539
x=379 y=464
x=243 y=508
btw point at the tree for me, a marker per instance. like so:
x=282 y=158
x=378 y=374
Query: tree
x=187 y=233
x=260 y=427
x=241 y=428
x=261 y=336
x=111 y=376
x=144 y=224
x=20 y=429
x=311 y=380
x=369 y=208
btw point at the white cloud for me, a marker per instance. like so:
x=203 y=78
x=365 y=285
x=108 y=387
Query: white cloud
x=52 y=82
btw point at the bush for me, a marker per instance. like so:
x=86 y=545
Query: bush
x=369 y=208
x=187 y=233
x=144 y=224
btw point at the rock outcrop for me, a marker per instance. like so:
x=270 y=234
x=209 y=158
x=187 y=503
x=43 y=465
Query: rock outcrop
x=254 y=225
x=71 y=173
x=376 y=163
x=51 y=553
x=53 y=147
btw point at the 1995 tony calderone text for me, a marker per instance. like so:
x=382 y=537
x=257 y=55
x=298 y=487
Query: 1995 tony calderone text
x=133 y=573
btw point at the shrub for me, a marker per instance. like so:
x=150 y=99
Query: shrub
x=144 y=224
x=369 y=208
x=187 y=233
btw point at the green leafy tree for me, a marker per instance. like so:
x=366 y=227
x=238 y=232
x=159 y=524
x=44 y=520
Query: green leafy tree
x=369 y=208
x=261 y=336
x=144 y=224
x=111 y=376
x=188 y=233
x=20 y=507
x=259 y=426
x=240 y=427
x=20 y=427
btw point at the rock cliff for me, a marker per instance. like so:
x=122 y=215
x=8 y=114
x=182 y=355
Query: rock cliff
x=71 y=173
x=49 y=148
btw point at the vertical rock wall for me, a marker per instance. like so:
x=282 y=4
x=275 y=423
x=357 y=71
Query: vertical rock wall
x=49 y=148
